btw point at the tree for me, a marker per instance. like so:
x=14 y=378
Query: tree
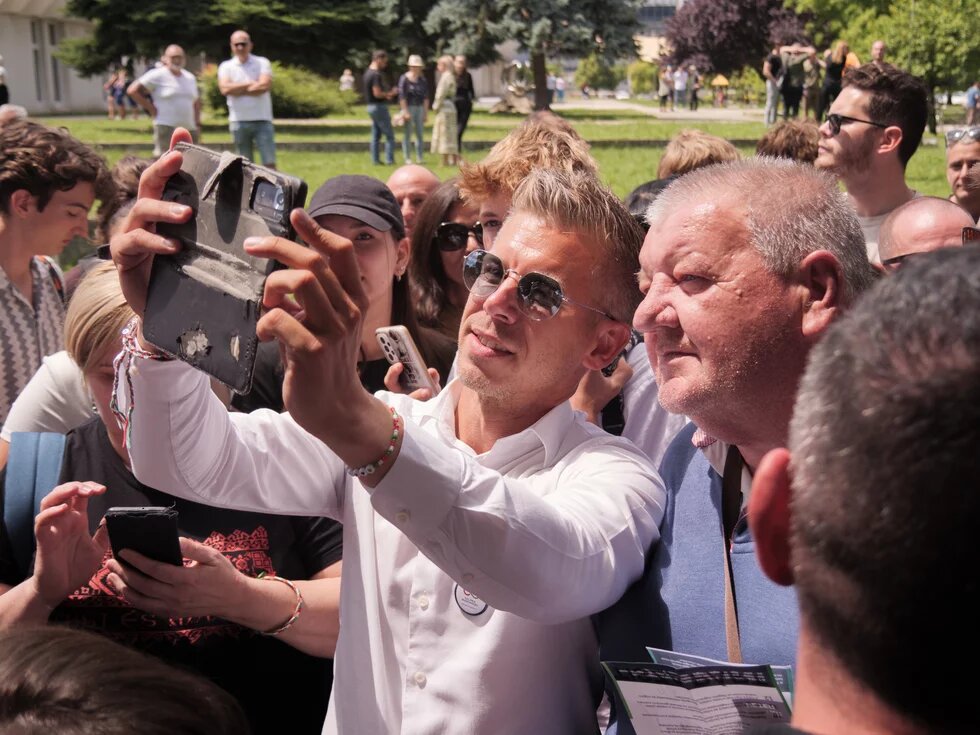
x=729 y=35
x=933 y=39
x=318 y=34
x=545 y=28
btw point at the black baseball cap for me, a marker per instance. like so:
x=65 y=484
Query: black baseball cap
x=362 y=197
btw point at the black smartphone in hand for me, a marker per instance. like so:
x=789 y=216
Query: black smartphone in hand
x=150 y=530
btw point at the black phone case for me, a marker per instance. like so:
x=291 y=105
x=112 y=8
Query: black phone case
x=151 y=531
x=203 y=303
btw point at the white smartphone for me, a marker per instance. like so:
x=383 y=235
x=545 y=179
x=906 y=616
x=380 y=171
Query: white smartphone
x=398 y=346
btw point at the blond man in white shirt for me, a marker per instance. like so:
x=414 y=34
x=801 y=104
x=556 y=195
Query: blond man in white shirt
x=493 y=521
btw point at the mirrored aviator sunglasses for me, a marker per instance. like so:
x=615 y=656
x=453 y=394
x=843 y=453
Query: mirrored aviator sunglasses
x=538 y=296
x=963 y=134
x=452 y=236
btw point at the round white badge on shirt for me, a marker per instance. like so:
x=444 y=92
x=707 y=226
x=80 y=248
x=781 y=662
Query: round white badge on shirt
x=468 y=602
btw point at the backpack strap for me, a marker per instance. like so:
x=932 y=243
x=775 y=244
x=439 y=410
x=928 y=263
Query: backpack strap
x=32 y=472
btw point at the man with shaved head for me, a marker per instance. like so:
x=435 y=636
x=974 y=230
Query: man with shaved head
x=245 y=79
x=921 y=226
x=175 y=103
x=411 y=185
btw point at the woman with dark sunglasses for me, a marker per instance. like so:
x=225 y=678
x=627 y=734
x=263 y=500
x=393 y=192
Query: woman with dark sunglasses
x=446 y=229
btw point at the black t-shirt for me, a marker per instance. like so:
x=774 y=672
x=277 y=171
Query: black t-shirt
x=775 y=65
x=464 y=89
x=270 y=679
x=374 y=78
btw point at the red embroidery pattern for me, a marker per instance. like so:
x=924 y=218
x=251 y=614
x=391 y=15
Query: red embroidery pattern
x=97 y=606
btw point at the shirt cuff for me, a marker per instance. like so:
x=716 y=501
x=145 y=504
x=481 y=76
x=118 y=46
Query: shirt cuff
x=422 y=485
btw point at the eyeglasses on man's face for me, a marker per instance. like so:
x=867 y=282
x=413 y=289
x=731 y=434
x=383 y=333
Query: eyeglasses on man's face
x=451 y=236
x=538 y=296
x=240 y=44
x=835 y=122
x=963 y=134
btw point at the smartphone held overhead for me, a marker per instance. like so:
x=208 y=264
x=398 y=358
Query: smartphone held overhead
x=204 y=302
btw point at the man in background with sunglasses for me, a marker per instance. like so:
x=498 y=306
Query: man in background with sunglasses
x=245 y=79
x=873 y=128
x=963 y=153
x=482 y=528
x=921 y=226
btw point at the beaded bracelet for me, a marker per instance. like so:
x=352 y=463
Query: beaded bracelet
x=370 y=469
x=121 y=365
x=299 y=604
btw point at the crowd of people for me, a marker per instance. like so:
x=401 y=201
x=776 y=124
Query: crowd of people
x=733 y=416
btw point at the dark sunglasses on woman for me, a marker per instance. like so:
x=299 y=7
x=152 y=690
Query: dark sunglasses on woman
x=452 y=236
x=539 y=296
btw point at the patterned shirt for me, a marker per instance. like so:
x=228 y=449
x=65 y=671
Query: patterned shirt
x=28 y=332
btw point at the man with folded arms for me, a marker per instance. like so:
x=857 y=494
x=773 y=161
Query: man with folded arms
x=482 y=528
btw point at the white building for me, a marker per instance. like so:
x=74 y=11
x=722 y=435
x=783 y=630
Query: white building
x=30 y=32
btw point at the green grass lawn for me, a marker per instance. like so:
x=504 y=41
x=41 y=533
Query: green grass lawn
x=622 y=167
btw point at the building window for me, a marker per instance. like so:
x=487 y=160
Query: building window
x=37 y=53
x=56 y=32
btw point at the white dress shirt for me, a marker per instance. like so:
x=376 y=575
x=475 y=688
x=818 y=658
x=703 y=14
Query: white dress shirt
x=548 y=527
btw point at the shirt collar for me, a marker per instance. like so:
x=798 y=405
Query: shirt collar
x=716 y=452
x=549 y=431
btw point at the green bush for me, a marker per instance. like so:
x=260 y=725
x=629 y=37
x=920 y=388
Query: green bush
x=643 y=77
x=296 y=93
x=596 y=72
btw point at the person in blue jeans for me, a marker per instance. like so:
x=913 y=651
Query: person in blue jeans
x=377 y=92
x=413 y=93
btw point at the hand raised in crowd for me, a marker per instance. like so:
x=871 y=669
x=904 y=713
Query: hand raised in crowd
x=321 y=339
x=595 y=390
x=421 y=394
x=133 y=249
x=207 y=584
x=67 y=556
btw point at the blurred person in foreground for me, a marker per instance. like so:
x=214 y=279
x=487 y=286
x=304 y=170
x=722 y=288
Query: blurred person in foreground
x=882 y=553
x=71 y=682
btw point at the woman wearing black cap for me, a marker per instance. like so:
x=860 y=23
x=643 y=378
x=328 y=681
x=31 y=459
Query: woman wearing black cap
x=363 y=210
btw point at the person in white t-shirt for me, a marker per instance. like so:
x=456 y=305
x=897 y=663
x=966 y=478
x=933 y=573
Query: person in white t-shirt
x=680 y=87
x=175 y=102
x=245 y=80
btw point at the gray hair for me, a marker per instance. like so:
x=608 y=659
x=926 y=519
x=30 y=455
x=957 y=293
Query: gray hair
x=579 y=202
x=790 y=211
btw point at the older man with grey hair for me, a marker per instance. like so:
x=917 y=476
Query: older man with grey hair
x=921 y=226
x=745 y=266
